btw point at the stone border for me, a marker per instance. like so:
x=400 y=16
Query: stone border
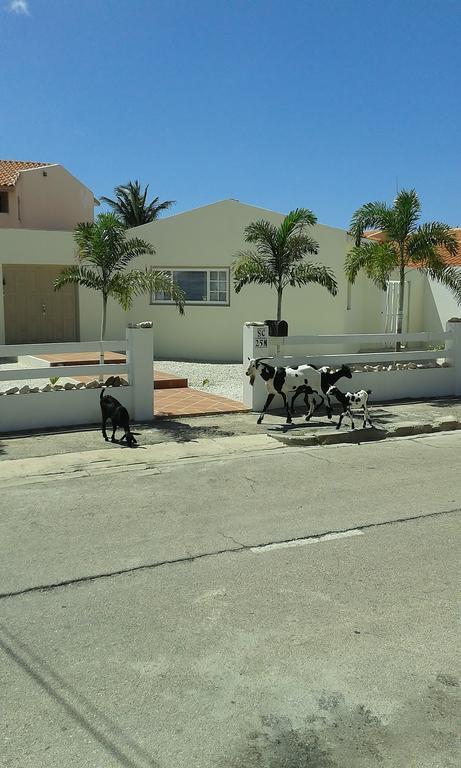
x=371 y=434
x=113 y=381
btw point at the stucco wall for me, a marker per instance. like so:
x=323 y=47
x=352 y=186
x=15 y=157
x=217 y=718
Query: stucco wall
x=439 y=306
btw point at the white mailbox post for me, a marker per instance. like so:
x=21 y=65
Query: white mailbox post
x=255 y=344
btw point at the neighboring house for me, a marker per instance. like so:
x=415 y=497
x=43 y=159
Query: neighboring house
x=42 y=196
x=39 y=200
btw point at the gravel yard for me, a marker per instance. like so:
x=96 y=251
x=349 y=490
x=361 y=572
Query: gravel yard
x=223 y=379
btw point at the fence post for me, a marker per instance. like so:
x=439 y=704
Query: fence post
x=255 y=344
x=140 y=357
x=454 y=326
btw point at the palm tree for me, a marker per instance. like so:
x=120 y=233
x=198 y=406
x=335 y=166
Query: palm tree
x=103 y=253
x=131 y=207
x=279 y=258
x=403 y=245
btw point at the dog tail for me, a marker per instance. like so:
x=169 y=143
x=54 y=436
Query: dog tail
x=103 y=389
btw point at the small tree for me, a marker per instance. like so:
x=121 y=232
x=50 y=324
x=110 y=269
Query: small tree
x=279 y=258
x=403 y=246
x=131 y=206
x=103 y=254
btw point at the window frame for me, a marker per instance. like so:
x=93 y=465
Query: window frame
x=208 y=302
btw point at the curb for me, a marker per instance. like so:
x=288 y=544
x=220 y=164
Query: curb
x=371 y=434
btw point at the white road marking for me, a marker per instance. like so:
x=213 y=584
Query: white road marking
x=308 y=540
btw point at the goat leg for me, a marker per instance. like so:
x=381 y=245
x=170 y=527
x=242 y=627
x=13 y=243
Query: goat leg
x=266 y=406
x=285 y=402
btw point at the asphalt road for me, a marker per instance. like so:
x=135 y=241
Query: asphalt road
x=232 y=605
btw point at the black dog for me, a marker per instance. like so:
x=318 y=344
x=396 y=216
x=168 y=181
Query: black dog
x=118 y=414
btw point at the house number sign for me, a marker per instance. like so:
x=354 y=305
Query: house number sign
x=261 y=337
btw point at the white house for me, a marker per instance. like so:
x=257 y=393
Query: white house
x=197 y=247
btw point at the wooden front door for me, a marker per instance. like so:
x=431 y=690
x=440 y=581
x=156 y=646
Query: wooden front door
x=34 y=312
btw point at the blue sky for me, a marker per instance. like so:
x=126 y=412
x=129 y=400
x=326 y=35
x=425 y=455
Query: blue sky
x=325 y=104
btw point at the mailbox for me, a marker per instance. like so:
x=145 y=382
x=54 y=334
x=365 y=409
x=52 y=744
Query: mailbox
x=277 y=327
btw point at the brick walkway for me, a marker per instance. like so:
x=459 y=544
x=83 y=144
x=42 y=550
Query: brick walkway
x=191 y=402
x=172 y=395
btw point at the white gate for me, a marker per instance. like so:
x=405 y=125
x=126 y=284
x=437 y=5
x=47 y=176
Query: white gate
x=392 y=307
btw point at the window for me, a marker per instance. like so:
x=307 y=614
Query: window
x=200 y=286
x=4 y=202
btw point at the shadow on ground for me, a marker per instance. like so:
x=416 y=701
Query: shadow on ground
x=380 y=417
x=123 y=749
x=185 y=433
x=339 y=735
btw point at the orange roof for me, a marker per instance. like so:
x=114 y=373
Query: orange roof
x=10 y=170
x=450 y=261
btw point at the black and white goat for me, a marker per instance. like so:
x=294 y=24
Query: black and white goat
x=356 y=399
x=328 y=378
x=285 y=381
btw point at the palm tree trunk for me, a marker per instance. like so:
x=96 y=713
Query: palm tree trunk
x=398 y=346
x=279 y=303
x=103 y=332
x=279 y=314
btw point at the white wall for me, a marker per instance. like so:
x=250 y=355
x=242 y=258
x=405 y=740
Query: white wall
x=439 y=305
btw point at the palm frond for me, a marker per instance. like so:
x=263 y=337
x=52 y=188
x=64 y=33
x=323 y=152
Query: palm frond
x=377 y=260
x=138 y=282
x=131 y=207
x=293 y=223
x=422 y=246
x=79 y=275
x=368 y=216
x=303 y=274
x=250 y=267
x=406 y=210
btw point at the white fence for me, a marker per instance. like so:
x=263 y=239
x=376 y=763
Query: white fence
x=78 y=406
x=441 y=380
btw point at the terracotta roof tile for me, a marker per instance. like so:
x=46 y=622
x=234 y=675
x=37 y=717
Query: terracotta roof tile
x=10 y=170
x=450 y=261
